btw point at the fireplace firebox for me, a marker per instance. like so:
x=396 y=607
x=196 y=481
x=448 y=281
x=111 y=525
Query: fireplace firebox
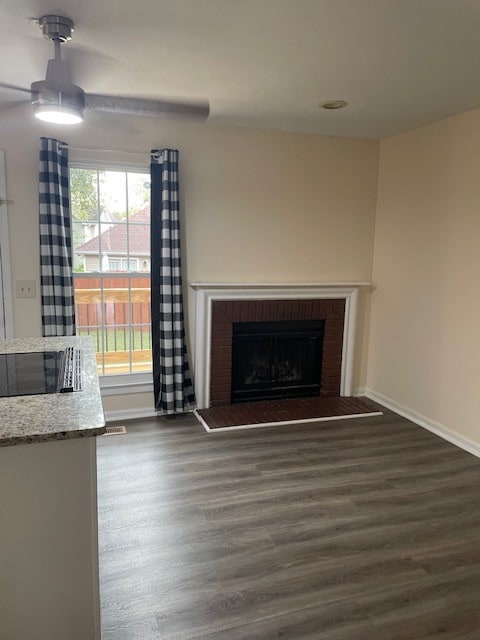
x=276 y=359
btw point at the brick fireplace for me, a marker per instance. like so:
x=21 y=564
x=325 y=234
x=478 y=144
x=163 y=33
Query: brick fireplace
x=227 y=313
x=219 y=307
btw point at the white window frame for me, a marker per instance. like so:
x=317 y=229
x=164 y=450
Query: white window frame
x=7 y=329
x=120 y=383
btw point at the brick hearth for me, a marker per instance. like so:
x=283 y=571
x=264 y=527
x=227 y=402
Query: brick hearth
x=225 y=313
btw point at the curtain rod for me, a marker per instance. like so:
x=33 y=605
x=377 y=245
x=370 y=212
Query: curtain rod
x=130 y=153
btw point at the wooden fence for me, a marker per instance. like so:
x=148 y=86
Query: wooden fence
x=116 y=313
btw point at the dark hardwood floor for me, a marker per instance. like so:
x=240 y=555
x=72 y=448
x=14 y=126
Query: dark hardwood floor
x=364 y=529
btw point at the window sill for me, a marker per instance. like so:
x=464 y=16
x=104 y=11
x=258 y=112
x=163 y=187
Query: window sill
x=127 y=383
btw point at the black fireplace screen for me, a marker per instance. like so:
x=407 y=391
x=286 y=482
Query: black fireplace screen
x=281 y=359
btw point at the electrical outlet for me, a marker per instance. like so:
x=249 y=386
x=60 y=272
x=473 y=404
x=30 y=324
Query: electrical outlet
x=25 y=289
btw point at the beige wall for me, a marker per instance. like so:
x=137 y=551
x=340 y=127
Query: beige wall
x=424 y=335
x=257 y=205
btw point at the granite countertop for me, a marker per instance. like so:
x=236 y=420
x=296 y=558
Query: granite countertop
x=53 y=416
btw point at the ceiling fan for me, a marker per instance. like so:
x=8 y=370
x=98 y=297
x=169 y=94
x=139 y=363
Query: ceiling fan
x=56 y=99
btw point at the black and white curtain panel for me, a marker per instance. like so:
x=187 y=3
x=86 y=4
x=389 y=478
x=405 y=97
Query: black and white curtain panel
x=58 y=308
x=173 y=388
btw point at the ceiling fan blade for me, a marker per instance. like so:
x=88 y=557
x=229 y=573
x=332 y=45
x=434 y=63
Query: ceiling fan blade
x=197 y=110
x=12 y=106
x=103 y=121
x=13 y=87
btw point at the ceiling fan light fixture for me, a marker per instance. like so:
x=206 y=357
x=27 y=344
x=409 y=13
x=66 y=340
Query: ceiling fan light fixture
x=56 y=106
x=58 y=114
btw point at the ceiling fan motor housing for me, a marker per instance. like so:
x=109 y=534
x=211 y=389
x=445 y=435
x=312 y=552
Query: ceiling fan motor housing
x=45 y=95
x=56 y=27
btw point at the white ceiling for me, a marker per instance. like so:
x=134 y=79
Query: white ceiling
x=266 y=63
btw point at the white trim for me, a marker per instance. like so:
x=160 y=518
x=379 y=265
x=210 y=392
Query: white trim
x=273 y=285
x=284 y=422
x=6 y=275
x=124 y=383
x=431 y=425
x=130 y=414
x=105 y=164
x=125 y=389
x=349 y=329
x=206 y=294
x=359 y=392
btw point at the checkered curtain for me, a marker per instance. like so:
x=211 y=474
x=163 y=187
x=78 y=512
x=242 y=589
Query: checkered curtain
x=172 y=382
x=58 y=309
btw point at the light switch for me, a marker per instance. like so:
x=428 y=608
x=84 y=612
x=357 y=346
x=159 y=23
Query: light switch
x=25 y=289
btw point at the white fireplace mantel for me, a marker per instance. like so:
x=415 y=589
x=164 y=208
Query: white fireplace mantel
x=207 y=292
x=272 y=285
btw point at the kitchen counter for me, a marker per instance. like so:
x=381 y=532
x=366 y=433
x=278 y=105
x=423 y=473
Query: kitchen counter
x=53 y=416
x=49 y=587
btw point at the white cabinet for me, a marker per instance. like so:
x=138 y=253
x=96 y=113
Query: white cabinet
x=48 y=541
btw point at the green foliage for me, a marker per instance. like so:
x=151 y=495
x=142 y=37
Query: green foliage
x=139 y=191
x=83 y=194
x=101 y=195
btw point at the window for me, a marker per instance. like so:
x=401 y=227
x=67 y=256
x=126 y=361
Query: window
x=111 y=264
x=122 y=264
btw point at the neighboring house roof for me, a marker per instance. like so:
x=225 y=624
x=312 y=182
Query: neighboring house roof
x=114 y=239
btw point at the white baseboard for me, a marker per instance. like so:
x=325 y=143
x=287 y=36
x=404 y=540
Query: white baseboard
x=435 y=427
x=130 y=414
x=359 y=392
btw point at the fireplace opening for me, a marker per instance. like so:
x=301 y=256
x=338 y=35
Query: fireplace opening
x=277 y=359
